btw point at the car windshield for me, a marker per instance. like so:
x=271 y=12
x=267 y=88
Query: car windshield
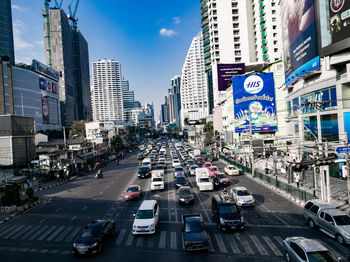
x=214 y=169
x=220 y=176
x=231 y=168
x=242 y=193
x=143 y=169
x=204 y=179
x=178 y=169
x=228 y=209
x=194 y=227
x=144 y=214
x=185 y=192
x=180 y=179
x=193 y=167
x=132 y=189
x=342 y=220
x=146 y=163
x=159 y=168
x=157 y=179
x=321 y=256
x=90 y=232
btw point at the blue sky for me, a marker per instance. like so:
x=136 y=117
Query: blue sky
x=149 y=38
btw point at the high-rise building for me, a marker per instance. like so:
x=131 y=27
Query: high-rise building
x=67 y=52
x=194 y=90
x=6 y=33
x=128 y=95
x=236 y=31
x=175 y=101
x=164 y=112
x=107 y=94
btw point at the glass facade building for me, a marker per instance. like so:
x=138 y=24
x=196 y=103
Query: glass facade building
x=6 y=32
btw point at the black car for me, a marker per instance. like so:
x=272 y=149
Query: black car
x=143 y=172
x=226 y=213
x=194 y=233
x=190 y=163
x=185 y=195
x=200 y=161
x=94 y=237
x=139 y=156
x=180 y=181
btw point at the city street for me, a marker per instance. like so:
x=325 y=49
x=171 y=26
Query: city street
x=46 y=232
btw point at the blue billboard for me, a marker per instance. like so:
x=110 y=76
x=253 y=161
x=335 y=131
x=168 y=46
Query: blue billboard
x=42 y=83
x=300 y=50
x=254 y=103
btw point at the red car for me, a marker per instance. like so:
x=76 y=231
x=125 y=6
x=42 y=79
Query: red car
x=133 y=193
x=207 y=165
x=213 y=170
x=223 y=179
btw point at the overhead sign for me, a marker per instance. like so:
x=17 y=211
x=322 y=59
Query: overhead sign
x=45 y=70
x=226 y=72
x=254 y=103
x=343 y=150
x=300 y=53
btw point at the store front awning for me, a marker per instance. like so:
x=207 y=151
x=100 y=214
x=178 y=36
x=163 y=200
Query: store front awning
x=87 y=156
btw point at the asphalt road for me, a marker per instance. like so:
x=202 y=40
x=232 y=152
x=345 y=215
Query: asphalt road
x=46 y=232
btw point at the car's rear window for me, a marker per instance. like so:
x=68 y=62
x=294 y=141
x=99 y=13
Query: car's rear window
x=342 y=220
x=308 y=205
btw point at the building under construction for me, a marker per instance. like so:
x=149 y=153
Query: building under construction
x=67 y=52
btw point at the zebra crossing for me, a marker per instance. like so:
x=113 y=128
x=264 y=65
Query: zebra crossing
x=232 y=243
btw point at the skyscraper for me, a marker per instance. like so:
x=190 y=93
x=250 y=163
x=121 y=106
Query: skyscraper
x=67 y=52
x=129 y=102
x=194 y=90
x=107 y=94
x=174 y=100
x=6 y=32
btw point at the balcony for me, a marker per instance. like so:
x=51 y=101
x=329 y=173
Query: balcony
x=204 y=16
x=263 y=42
x=206 y=42
x=262 y=20
x=261 y=5
x=204 y=9
x=263 y=27
x=207 y=49
x=205 y=29
x=205 y=22
x=207 y=56
x=262 y=12
x=206 y=36
x=263 y=34
x=264 y=49
x=265 y=56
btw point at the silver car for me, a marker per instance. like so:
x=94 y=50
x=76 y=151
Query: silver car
x=179 y=171
x=242 y=197
x=306 y=250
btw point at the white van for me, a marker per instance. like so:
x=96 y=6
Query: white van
x=147 y=162
x=203 y=180
x=146 y=218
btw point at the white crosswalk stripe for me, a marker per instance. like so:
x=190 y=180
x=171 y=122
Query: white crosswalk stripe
x=73 y=234
x=245 y=244
x=279 y=240
x=272 y=246
x=30 y=232
x=64 y=233
x=2 y=233
x=20 y=233
x=120 y=238
x=44 y=235
x=173 y=244
x=151 y=241
x=130 y=239
x=259 y=246
x=221 y=243
x=139 y=242
x=162 y=239
x=54 y=234
x=14 y=231
x=37 y=233
x=233 y=244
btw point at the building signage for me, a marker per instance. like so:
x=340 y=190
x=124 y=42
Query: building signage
x=54 y=88
x=45 y=109
x=226 y=72
x=343 y=150
x=47 y=85
x=42 y=83
x=333 y=25
x=299 y=39
x=45 y=70
x=254 y=103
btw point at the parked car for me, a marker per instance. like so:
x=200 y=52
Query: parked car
x=303 y=249
x=226 y=213
x=231 y=170
x=133 y=192
x=242 y=197
x=179 y=171
x=94 y=237
x=143 y=172
x=146 y=218
x=194 y=233
x=180 y=181
x=192 y=170
x=185 y=195
x=328 y=219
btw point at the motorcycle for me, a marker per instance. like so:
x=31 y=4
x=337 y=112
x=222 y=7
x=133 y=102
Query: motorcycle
x=98 y=175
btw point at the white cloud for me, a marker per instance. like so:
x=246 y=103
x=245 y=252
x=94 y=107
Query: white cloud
x=177 y=20
x=19 y=42
x=16 y=7
x=167 y=32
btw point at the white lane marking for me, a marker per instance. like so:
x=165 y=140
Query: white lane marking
x=73 y=218
x=151 y=241
x=173 y=244
x=211 y=247
x=85 y=207
x=43 y=251
x=272 y=246
x=73 y=234
x=221 y=243
x=269 y=211
x=130 y=239
x=54 y=251
x=30 y=232
x=13 y=232
x=63 y=235
x=120 y=237
x=245 y=244
x=58 y=209
x=258 y=245
x=139 y=242
x=42 y=237
x=20 y=233
x=42 y=220
x=65 y=252
x=7 y=230
x=37 y=234
x=233 y=244
x=279 y=241
x=54 y=234
x=162 y=239
x=33 y=250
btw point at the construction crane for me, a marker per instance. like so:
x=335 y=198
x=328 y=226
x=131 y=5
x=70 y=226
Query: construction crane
x=48 y=35
x=58 y=5
x=71 y=15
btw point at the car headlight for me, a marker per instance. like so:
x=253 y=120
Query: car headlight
x=222 y=221
x=151 y=226
x=242 y=220
x=94 y=245
x=181 y=199
x=74 y=245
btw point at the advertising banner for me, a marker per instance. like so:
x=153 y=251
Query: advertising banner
x=49 y=86
x=333 y=25
x=45 y=108
x=54 y=88
x=254 y=103
x=42 y=83
x=226 y=72
x=299 y=39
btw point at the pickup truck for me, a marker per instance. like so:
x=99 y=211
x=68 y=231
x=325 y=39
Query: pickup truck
x=194 y=233
x=328 y=219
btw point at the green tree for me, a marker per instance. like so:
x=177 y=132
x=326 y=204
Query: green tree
x=77 y=130
x=209 y=133
x=117 y=142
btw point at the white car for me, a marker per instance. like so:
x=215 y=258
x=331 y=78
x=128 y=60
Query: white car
x=231 y=170
x=193 y=170
x=176 y=163
x=157 y=182
x=146 y=218
x=242 y=197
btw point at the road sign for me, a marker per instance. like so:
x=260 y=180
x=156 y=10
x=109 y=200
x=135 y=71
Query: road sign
x=343 y=150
